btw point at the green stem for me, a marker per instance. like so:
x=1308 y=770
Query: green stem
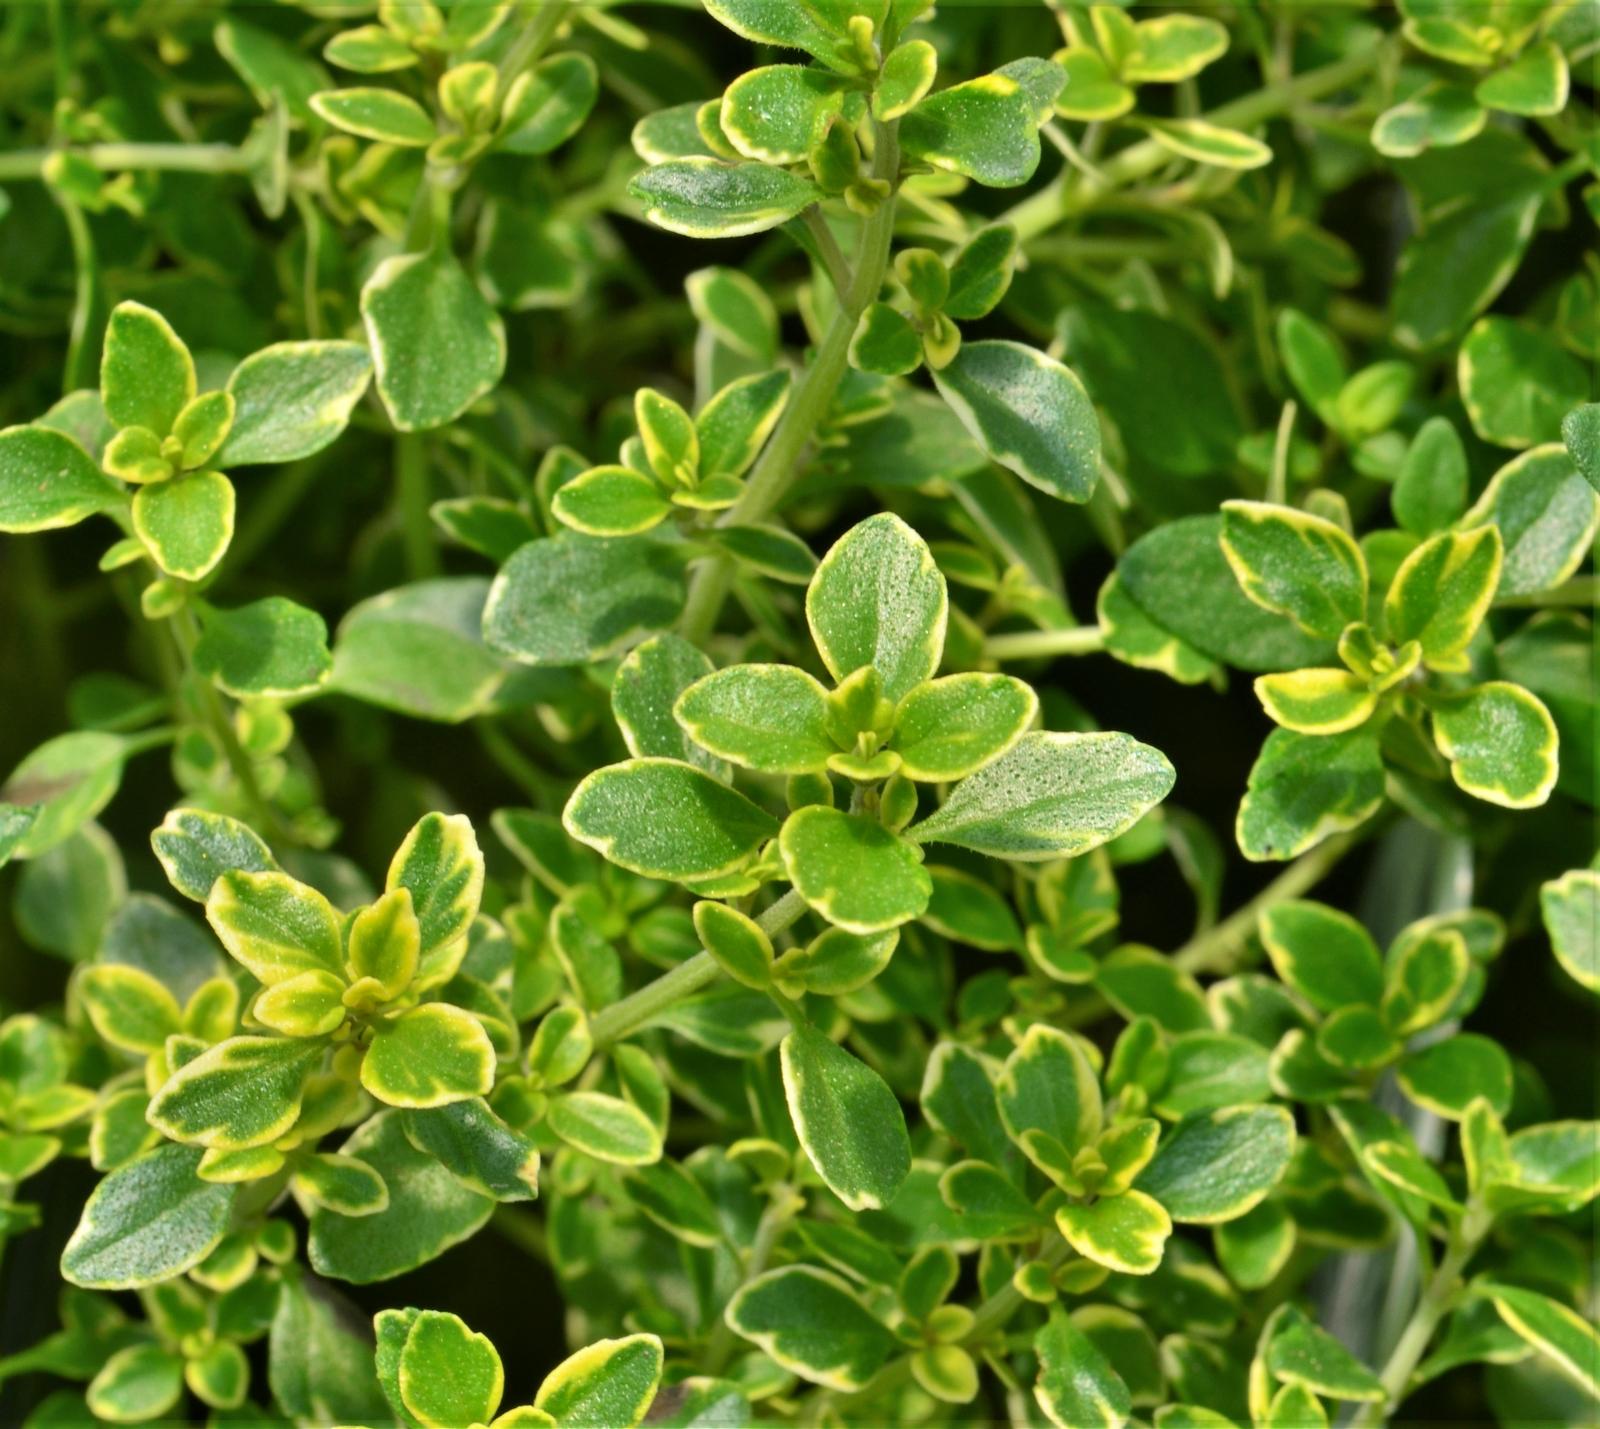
x=828 y=247
x=1061 y=197
x=186 y=632
x=411 y=469
x=614 y=1023
x=1030 y=644
x=542 y=19
x=808 y=407
x=116 y=158
x=1432 y=1306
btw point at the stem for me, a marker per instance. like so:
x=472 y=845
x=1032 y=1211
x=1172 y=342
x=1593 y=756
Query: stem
x=1041 y=211
x=1027 y=644
x=186 y=632
x=114 y=158
x=411 y=467
x=828 y=247
x=1278 y=481
x=808 y=407
x=614 y=1023
x=1432 y=1305
x=542 y=24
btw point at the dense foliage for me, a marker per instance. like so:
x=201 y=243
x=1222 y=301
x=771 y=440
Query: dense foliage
x=684 y=949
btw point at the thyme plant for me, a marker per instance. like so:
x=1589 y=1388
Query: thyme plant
x=685 y=950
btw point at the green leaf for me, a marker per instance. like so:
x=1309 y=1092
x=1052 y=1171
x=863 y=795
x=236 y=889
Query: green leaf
x=738 y=943
x=271 y=647
x=1555 y=1330
x=372 y=113
x=771 y=551
x=128 y=1007
x=1209 y=143
x=1029 y=413
x=771 y=718
x=646 y=689
x=671 y=1197
x=341 y=1183
x=633 y=585
x=811 y=1323
x=1447 y=1077
x=950 y=728
x=146 y=373
x=885 y=343
x=369 y=49
x=146 y=1222
x=1533 y=84
x=275 y=926
x=735 y=424
x=440 y=864
x=1139 y=982
x=1178 y=582
x=48 y=481
x=1220 y=1164
x=1077 y=1387
x=1580 y=430
x=879 y=599
x=1305 y=788
x=980 y=272
x=1313 y=360
x=1092 y=92
x=437 y=346
x=705 y=198
x=1324 y=955
x=1170 y=48
x=848 y=1121
x=293 y=399
x=1571 y=908
x=1051 y=796
x=1316 y=701
x=1304 y=1354
x=1547 y=516
x=448 y=1375
x=1256 y=1246
x=815 y=26
x=138 y=1382
x=196 y=847
x=1431 y=489
x=547 y=104
x=1435 y=116
x=489 y=525
x=1125 y=1233
x=1212 y=1069
x=242 y=1093
x=429 y=1057
x=186 y=523
x=429 y=1210
x=779 y=113
x=1401 y=1164
x=1442 y=592
x=605 y=1127
x=852 y=870
x=418 y=649
x=907 y=74
x=1517 y=383
x=969 y=910
x=984 y=129
x=1049 y=1086
x=609 y=1383
x=477 y=1148
x=1500 y=741
x=1297 y=564
x=666 y=819
x=66 y=781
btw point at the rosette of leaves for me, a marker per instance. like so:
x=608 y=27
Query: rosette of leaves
x=438 y=1374
x=877 y=608
x=149 y=428
x=1482 y=61
x=346 y=1004
x=1497 y=739
x=694 y=464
